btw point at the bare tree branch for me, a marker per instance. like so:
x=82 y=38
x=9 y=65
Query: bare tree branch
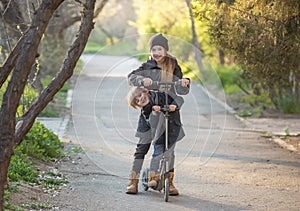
x=65 y=73
x=23 y=66
x=198 y=53
x=71 y=21
x=10 y=62
x=17 y=84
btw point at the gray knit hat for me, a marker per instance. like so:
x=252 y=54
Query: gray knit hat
x=158 y=39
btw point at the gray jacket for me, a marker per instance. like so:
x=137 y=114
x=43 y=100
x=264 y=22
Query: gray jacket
x=149 y=69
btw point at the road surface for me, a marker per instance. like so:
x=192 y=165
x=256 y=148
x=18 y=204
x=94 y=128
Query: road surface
x=220 y=165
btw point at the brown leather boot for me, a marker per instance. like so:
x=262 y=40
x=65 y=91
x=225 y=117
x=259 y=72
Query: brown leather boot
x=172 y=191
x=152 y=179
x=132 y=187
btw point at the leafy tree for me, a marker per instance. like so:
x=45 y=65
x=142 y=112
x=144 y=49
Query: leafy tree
x=173 y=18
x=264 y=38
x=19 y=64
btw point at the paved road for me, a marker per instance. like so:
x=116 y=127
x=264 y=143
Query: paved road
x=219 y=164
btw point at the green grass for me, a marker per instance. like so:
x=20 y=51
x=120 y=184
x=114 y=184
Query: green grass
x=119 y=48
x=38 y=144
x=289 y=104
x=229 y=76
x=56 y=108
x=92 y=47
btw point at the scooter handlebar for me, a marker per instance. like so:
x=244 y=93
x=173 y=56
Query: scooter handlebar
x=166 y=108
x=157 y=83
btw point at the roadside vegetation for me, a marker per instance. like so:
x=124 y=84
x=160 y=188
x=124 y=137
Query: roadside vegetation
x=34 y=163
x=39 y=146
x=252 y=46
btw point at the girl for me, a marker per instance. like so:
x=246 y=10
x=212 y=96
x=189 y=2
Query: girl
x=159 y=67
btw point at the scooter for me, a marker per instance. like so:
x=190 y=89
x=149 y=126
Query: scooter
x=163 y=182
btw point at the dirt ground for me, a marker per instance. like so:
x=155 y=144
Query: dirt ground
x=34 y=197
x=283 y=129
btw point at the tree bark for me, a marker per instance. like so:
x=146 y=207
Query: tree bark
x=66 y=71
x=12 y=134
x=221 y=56
x=17 y=84
x=3 y=180
x=198 y=53
x=10 y=62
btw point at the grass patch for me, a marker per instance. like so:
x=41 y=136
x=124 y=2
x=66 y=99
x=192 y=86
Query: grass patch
x=36 y=206
x=56 y=108
x=289 y=104
x=119 y=48
x=40 y=144
x=92 y=47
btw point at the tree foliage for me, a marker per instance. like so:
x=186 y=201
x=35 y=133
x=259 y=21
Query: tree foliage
x=173 y=19
x=264 y=38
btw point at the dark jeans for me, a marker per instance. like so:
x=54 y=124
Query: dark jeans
x=159 y=151
x=141 y=150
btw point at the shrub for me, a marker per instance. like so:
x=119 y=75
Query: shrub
x=289 y=104
x=21 y=168
x=229 y=76
x=41 y=143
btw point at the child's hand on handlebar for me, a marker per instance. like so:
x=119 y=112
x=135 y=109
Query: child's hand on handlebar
x=172 y=108
x=156 y=108
x=185 y=82
x=147 y=81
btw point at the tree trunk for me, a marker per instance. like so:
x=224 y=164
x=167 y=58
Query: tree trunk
x=221 y=57
x=12 y=134
x=3 y=179
x=198 y=53
x=66 y=71
x=10 y=62
x=17 y=84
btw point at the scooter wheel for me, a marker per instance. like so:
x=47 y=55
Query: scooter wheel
x=145 y=179
x=167 y=188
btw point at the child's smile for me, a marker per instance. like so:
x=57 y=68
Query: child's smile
x=158 y=53
x=142 y=99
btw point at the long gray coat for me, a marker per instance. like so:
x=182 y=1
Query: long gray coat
x=157 y=120
x=149 y=69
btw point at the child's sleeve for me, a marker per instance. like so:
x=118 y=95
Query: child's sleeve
x=175 y=100
x=177 y=76
x=146 y=110
x=182 y=90
x=135 y=78
x=178 y=101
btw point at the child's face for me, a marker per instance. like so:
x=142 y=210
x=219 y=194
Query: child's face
x=158 y=53
x=142 y=98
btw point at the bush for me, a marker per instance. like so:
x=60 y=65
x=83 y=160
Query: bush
x=21 y=168
x=229 y=76
x=27 y=99
x=289 y=104
x=41 y=143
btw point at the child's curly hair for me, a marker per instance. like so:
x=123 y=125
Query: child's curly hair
x=131 y=96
